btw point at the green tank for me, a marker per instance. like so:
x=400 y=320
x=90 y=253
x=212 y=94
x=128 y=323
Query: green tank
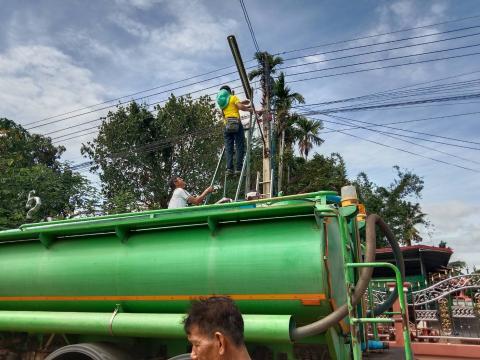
x=129 y=276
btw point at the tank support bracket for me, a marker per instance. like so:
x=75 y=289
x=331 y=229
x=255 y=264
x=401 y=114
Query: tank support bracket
x=46 y=239
x=122 y=233
x=212 y=224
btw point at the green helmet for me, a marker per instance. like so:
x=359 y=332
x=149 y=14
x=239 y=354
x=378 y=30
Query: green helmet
x=223 y=97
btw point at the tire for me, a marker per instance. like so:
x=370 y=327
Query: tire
x=89 y=351
x=181 y=357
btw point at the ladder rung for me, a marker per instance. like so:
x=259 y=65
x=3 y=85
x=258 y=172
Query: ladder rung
x=372 y=320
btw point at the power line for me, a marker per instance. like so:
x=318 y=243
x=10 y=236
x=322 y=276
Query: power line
x=227 y=67
x=342 y=66
x=327 y=76
x=378 y=35
x=228 y=74
x=390 y=42
x=149 y=147
x=249 y=24
x=102 y=118
x=387 y=59
x=110 y=106
x=414 y=137
x=381 y=98
x=381 y=67
x=409 y=121
x=77 y=134
x=158 y=93
x=393 y=136
x=133 y=94
x=366 y=96
x=400 y=149
x=328 y=111
x=377 y=51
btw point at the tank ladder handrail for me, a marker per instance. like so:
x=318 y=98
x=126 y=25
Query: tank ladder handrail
x=357 y=352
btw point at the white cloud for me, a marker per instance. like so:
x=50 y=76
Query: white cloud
x=140 y=4
x=187 y=32
x=129 y=25
x=456 y=223
x=36 y=79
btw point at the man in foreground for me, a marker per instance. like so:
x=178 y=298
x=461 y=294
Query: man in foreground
x=214 y=327
x=181 y=198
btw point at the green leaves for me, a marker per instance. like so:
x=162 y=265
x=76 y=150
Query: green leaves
x=396 y=204
x=136 y=152
x=307 y=134
x=319 y=173
x=31 y=162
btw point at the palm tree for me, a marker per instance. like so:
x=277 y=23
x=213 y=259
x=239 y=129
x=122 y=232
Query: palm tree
x=307 y=134
x=264 y=71
x=283 y=99
x=269 y=62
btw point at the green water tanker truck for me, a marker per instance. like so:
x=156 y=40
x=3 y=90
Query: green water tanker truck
x=118 y=286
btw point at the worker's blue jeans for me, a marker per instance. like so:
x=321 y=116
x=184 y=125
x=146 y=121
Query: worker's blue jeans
x=237 y=139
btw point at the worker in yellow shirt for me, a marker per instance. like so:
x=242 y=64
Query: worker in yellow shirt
x=233 y=132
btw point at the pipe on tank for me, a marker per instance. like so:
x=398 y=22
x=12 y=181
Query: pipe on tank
x=365 y=275
x=398 y=256
x=258 y=328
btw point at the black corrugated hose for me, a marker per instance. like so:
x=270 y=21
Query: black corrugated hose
x=365 y=275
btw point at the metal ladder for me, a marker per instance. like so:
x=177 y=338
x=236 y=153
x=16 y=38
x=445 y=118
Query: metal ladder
x=246 y=159
x=355 y=322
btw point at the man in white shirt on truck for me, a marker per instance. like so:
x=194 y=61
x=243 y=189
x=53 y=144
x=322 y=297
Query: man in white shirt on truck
x=182 y=198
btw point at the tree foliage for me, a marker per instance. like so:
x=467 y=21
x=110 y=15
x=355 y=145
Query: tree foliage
x=136 y=152
x=457 y=267
x=319 y=173
x=264 y=71
x=31 y=162
x=307 y=134
x=283 y=100
x=396 y=203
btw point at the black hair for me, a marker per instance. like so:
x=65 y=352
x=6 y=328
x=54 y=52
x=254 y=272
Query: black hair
x=213 y=314
x=226 y=87
x=172 y=181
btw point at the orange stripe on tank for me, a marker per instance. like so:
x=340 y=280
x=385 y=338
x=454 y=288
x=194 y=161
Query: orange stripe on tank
x=305 y=298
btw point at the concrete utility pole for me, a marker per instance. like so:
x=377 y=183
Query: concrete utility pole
x=267 y=131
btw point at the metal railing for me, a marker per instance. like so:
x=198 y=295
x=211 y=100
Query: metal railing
x=357 y=351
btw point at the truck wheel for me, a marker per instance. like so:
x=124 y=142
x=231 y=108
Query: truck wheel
x=89 y=351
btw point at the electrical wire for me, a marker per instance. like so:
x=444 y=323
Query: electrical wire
x=411 y=121
x=387 y=59
x=382 y=67
x=150 y=147
x=249 y=24
x=389 y=91
x=400 y=149
x=376 y=51
x=230 y=73
x=110 y=106
x=214 y=86
x=423 y=101
x=135 y=93
x=102 y=118
x=379 y=35
x=393 y=136
x=216 y=77
x=441 y=89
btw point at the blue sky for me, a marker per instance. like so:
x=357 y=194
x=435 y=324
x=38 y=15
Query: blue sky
x=57 y=56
